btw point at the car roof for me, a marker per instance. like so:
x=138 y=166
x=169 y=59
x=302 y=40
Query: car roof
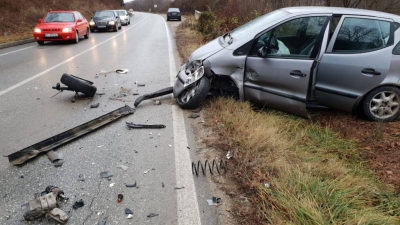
x=339 y=10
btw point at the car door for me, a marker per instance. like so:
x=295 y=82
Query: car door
x=356 y=60
x=281 y=79
x=79 y=25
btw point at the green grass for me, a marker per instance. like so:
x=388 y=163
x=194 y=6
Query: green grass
x=315 y=176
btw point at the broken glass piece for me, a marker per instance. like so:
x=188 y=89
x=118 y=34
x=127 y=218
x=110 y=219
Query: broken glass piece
x=112 y=184
x=130 y=216
x=228 y=155
x=106 y=174
x=122 y=167
x=146 y=171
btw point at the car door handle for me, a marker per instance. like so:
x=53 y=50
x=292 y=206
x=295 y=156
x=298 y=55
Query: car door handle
x=370 y=71
x=297 y=73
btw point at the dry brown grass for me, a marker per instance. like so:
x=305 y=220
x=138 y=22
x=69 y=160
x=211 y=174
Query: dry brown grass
x=187 y=38
x=316 y=177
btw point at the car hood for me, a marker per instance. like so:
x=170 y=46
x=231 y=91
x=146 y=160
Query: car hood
x=99 y=19
x=207 y=50
x=55 y=25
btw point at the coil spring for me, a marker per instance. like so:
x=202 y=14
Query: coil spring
x=222 y=166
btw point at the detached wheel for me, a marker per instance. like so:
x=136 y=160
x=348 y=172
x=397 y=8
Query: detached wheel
x=193 y=97
x=76 y=37
x=78 y=84
x=382 y=104
x=87 y=33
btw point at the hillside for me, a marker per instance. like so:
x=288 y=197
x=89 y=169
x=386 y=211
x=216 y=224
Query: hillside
x=19 y=17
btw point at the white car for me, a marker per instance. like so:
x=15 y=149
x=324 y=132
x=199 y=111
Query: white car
x=124 y=17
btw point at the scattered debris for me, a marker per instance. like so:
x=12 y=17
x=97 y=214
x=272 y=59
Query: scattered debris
x=112 y=184
x=211 y=167
x=170 y=145
x=146 y=171
x=58 y=163
x=94 y=105
x=135 y=93
x=131 y=185
x=162 y=184
x=73 y=100
x=267 y=184
x=122 y=167
x=123 y=71
x=76 y=84
x=81 y=177
x=44 y=204
x=106 y=174
x=103 y=221
x=128 y=211
x=32 y=151
x=120 y=198
x=100 y=94
x=229 y=155
x=140 y=126
x=58 y=215
x=179 y=187
x=245 y=199
x=56 y=158
x=159 y=93
x=141 y=85
x=152 y=215
x=193 y=115
x=100 y=146
x=78 y=204
x=214 y=201
x=157 y=102
x=130 y=216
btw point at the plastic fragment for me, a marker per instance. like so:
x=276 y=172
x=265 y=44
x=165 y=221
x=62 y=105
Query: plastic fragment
x=131 y=185
x=94 y=105
x=106 y=174
x=78 y=204
x=112 y=184
x=229 y=155
x=152 y=215
x=120 y=198
x=267 y=184
x=130 y=216
x=214 y=201
x=146 y=171
x=58 y=163
x=123 y=71
x=128 y=211
x=122 y=167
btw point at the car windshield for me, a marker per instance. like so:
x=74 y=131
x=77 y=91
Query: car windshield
x=264 y=20
x=122 y=13
x=104 y=14
x=59 y=17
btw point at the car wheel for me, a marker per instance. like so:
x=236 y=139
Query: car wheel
x=79 y=85
x=87 y=33
x=382 y=104
x=192 y=97
x=129 y=22
x=76 y=37
x=92 y=30
x=40 y=42
x=116 y=28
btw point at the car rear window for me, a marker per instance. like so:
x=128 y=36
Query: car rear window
x=59 y=17
x=173 y=10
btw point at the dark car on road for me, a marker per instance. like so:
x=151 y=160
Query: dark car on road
x=105 y=20
x=173 y=14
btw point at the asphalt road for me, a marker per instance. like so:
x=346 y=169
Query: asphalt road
x=158 y=160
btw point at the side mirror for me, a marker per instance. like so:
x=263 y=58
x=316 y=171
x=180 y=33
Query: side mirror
x=40 y=20
x=79 y=20
x=264 y=51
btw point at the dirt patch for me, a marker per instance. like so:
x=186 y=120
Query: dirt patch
x=379 y=142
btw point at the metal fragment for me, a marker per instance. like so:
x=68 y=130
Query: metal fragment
x=106 y=174
x=159 y=93
x=140 y=126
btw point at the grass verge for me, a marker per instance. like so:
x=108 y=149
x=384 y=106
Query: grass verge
x=315 y=176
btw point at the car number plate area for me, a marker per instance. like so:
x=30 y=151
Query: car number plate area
x=101 y=26
x=51 y=35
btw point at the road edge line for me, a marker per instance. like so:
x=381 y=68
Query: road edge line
x=187 y=206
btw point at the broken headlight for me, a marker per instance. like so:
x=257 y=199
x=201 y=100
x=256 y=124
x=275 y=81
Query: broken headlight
x=193 y=66
x=194 y=76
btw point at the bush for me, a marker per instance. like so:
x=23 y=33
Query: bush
x=208 y=25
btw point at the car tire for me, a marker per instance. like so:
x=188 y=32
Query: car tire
x=76 y=37
x=87 y=33
x=116 y=28
x=40 y=42
x=129 y=22
x=78 y=84
x=192 y=97
x=120 y=26
x=91 y=30
x=167 y=19
x=382 y=104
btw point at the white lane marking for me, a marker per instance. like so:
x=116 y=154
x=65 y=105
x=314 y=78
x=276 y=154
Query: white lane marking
x=187 y=205
x=17 y=50
x=63 y=62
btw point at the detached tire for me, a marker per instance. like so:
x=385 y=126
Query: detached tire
x=79 y=85
x=382 y=104
x=193 y=97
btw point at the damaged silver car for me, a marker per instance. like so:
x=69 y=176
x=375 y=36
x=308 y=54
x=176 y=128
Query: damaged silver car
x=293 y=59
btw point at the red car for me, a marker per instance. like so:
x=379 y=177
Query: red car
x=61 y=26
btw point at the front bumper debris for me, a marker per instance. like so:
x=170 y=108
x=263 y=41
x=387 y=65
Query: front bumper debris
x=32 y=151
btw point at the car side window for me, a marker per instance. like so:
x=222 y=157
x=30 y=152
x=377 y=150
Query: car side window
x=293 y=39
x=360 y=35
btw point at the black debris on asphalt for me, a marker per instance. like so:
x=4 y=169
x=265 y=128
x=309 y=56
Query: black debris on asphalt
x=152 y=215
x=106 y=174
x=94 y=105
x=128 y=211
x=78 y=204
